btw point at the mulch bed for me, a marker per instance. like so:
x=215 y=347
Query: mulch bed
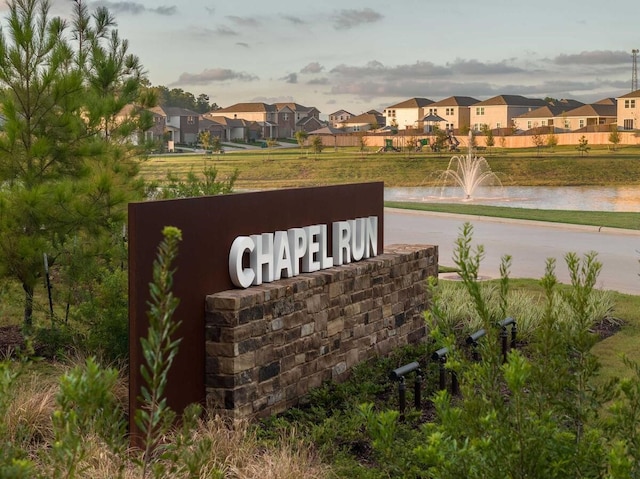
x=11 y=340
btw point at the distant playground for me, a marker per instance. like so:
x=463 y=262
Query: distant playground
x=449 y=143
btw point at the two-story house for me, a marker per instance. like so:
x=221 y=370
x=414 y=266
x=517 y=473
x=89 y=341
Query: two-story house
x=158 y=127
x=550 y=116
x=628 y=111
x=364 y=122
x=338 y=117
x=181 y=125
x=500 y=111
x=454 y=110
x=262 y=113
x=293 y=117
x=593 y=117
x=309 y=124
x=278 y=120
x=407 y=114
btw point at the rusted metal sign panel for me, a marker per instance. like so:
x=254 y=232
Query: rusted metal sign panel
x=209 y=226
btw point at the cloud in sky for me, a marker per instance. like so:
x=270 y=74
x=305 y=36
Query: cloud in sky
x=291 y=78
x=226 y=31
x=313 y=67
x=135 y=8
x=213 y=75
x=420 y=69
x=242 y=44
x=318 y=81
x=475 y=67
x=294 y=20
x=273 y=99
x=346 y=19
x=480 y=79
x=597 y=57
x=244 y=21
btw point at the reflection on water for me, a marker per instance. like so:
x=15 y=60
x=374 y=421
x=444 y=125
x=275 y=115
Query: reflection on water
x=582 y=198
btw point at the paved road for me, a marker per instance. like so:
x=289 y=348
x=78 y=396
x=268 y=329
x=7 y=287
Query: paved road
x=528 y=242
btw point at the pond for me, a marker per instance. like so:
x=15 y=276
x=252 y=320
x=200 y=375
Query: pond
x=582 y=198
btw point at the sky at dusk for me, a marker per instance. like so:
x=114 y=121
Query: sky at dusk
x=361 y=55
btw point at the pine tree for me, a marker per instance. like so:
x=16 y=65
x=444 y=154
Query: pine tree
x=65 y=168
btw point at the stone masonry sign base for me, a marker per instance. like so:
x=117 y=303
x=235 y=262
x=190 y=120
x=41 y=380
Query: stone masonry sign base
x=268 y=345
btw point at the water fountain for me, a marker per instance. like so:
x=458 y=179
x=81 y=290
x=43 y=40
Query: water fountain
x=469 y=172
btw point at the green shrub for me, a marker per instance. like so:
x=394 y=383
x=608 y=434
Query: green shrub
x=104 y=315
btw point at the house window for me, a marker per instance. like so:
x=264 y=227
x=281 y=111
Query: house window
x=629 y=103
x=286 y=116
x=567 y=124
x=449 y=111
x=529 y=125
x=476 y=127
x=498 y=125
x=628 y=124
x=449 y=126
x=190 y=120
x=544 y=122
x=480 y=110
x=581 y=123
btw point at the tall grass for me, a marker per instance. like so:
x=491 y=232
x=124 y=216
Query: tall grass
x=215 y=446
x=461 y=319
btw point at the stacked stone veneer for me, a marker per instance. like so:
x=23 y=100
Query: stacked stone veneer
x=268 y=345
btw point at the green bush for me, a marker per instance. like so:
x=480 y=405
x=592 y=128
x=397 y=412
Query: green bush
x=105 y=315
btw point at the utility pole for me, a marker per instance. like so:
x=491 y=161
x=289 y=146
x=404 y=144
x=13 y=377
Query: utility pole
x=634 y=70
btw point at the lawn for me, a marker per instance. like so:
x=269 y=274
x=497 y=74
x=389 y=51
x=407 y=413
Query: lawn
x=625 y=220
x=294 y=167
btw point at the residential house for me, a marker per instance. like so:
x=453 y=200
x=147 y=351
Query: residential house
x=500 y=111
x=309 y=124
x=363 y=122
x=214 y=128
x=181 y=124
x=338 y=117
x=262 y=113
x=407 y=114
x=628 y=111
x=455 y=111
x=286 y=120
x=279 y=120
x=230 y=129
x=550 y=117
x=607 y=101
x=592 y=117
x=292 y=116
x=157 y=130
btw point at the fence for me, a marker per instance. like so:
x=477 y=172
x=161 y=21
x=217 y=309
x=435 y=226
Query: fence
x=403 y=140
